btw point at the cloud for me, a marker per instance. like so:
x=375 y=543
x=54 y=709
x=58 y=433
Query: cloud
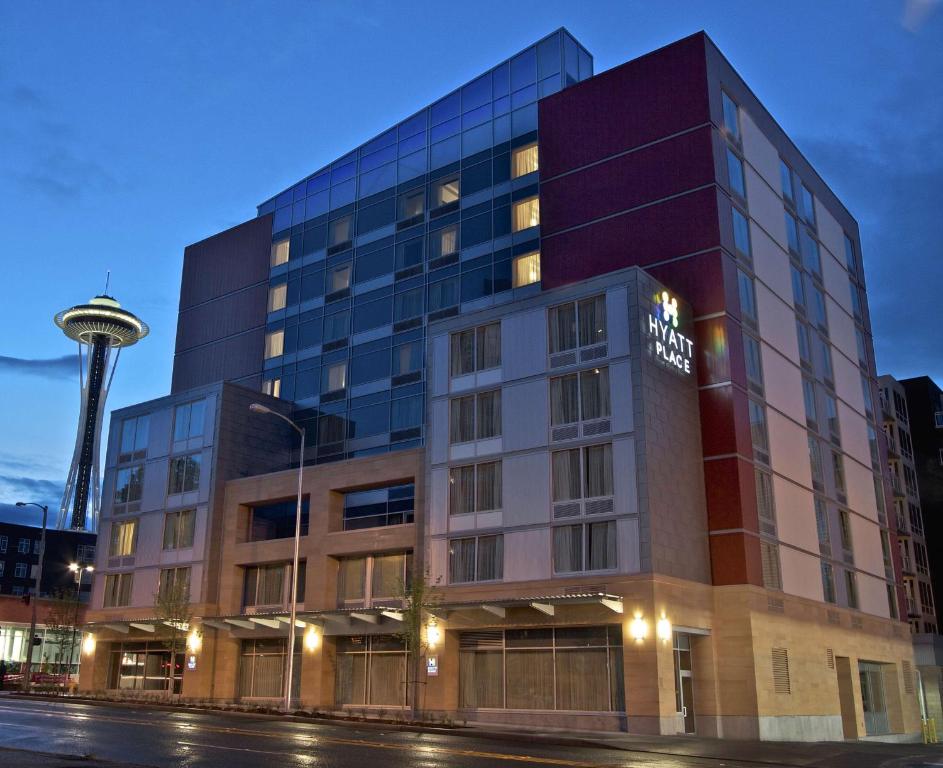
x=916 y=13
x=10 y=513
x=59 y=173
x=30 y=488
x=23 y=96
x=65 y=367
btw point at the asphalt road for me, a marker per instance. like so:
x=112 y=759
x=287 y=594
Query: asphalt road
x=153 y=737
x=160 y=738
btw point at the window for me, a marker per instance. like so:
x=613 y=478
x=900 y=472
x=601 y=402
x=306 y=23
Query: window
x=445 y=191
x=407 y=358
x=582 y=396
x=4 y=543
x=806 y=205
x=926 y=597
x=855 y=300
x=128 y=482
x=731 y=117
x=277 y=297
x=262 y=667
x=825 y=360
x=174 y=585
x=821 y=526
x=811 y=255
x=390 y=505
x=747 y=298
x=798 y=289
x=938 y=419
x=185 y=473
x=337 y=326
x=117 y=592
x=758 y=431
x=831 y=414
x=276 y=520
x=815 y=460
x=475 y=417
x=280 y=252
x=589 y=547
x=479 y=558
x=334 y=377
x=920 y=558
x=524 y=160
x=769 y=561
x=267 y=585
x=443 y=242
x=805 y=343
x=3 y=566
x=828 y=583
x=581 y=323
x=765 y=506
x=340 y=230
x=85 y=553
x=582 y=473
x=525 y=269
x=123 y=538
x=916 y=519
x=735 y=174
x=409 y=254
x=134 y=433
x=366 y=580
x=370 y=671
x=844 y=530
x=868 y=397
x=754 y=368
x=338 y=279
x=36 y=545
x=851 y=589
x=851 y=261
x=741 y=234
x=274 y=344
x=525 y=214
x=22 y=546
x=188 y=420
x=808 y=396
x=272 y=387
x=476 y=349
x=818 y=308
x=19 y=571
x=178 y=529
x=408 y=305
x=475 y=488
x=412 y=204
x=792 y=233
x=785 y=178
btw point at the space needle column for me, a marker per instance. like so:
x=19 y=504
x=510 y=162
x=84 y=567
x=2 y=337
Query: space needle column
x=100 y=327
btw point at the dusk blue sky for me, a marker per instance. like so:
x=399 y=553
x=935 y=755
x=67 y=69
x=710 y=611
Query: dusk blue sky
x=129 y=130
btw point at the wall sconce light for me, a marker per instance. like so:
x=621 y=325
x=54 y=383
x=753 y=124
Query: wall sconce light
x=433 y=633
x=638 y=628
x=312 y=639
x=663 y=628
x=194 y=641
x=88 y=644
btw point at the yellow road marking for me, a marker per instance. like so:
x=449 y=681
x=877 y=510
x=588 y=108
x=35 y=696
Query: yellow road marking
x=316 y=738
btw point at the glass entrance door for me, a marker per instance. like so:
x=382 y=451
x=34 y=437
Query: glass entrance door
x=873 y=700
x=684 y=680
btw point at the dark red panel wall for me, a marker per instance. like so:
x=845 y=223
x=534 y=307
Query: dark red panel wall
x=223 y=296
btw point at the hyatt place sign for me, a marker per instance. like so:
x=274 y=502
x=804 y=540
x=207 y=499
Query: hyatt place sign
x=669 y=345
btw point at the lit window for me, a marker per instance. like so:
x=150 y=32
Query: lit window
x=445 y=191
x=277 y=296
x=443 y=242
x=339 y=230
x=731 y=117
x=280 y=252
x=274 y=344
x=272 y=387
x=335 y=377
x=123 y=538
x=338 y=279
x=525 y=269
x=526 y=214
x=524 y=160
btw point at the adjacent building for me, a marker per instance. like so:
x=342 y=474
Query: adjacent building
x=588 y=355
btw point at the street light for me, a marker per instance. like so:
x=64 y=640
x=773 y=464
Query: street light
x=259 y=408
x=79 y=571
x=39 y=577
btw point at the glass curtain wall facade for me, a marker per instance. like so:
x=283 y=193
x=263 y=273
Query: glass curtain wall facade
x=436 y=215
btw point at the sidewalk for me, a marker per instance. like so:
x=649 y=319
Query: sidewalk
x=22 y=758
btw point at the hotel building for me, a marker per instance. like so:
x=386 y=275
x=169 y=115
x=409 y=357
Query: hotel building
x=590 y=356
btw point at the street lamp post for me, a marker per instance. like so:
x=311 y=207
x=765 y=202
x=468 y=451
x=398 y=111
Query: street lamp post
x=79 y=570
x=259 y=408
x=35 y=600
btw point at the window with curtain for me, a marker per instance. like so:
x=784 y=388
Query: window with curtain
x=758 y=431
x=476 y=349
x=336 y=326
x=340 y=230
x=407 y=305
x=581 y=323
x=277 y=297
x=271 y=584
x=476 y=558
x=443 y=242
x=444 y=294
x=185 y=473
x=412 y=203
x=262 y=668
x=280 y=252
x=815 y=461
x=580 y=396
x=525 y=269
x=475 y=417
x=586 y=547
x=582 y=473
x=338 y=278
x=370 y=671
x=117 y=592
x=123 y=538
x=174 y=585
x=178 y=529
x=351 y=580
x=524 y=160
x=274 y=344
x=475 y=488
x=525 y=214
x=334 y=377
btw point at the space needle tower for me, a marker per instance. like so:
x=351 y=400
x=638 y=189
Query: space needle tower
x=101 y=328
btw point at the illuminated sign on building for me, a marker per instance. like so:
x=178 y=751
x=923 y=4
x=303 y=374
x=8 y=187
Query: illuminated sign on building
x=670 y=345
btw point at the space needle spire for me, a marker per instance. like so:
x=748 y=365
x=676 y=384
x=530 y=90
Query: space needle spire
x=100 y=328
